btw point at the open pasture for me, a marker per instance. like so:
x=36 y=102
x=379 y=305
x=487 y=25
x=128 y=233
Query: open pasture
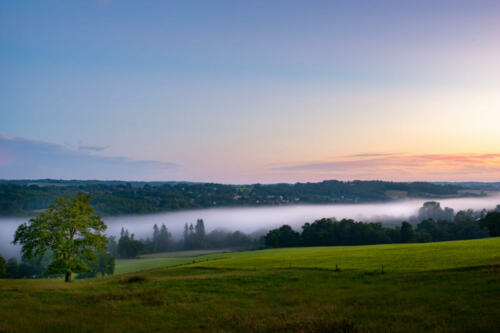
x=439 y=287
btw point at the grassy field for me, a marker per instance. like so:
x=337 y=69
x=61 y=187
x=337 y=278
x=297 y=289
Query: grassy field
x=438 y=287
x=402 y=257
x=166 y=259
x=184 y=254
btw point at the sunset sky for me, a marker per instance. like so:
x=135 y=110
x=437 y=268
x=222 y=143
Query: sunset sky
x=250 y=91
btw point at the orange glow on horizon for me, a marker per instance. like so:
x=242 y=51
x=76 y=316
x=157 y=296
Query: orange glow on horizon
x=399 y=167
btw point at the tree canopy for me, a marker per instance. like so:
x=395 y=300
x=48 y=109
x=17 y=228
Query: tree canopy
x=70 y=230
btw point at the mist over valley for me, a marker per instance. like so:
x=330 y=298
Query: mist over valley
x=258 y=220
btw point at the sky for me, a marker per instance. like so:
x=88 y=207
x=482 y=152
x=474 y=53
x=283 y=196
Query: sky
x=250 y=91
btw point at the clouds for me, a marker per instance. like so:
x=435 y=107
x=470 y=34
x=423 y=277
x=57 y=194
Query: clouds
x=404 y=167
x=92 y=148
x=24 y=158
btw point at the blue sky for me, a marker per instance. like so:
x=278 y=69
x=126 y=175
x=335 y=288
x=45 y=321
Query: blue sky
x=249 y=91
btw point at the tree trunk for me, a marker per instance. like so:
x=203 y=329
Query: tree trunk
x=67 y=277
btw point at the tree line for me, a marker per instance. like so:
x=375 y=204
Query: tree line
x=194 y=237
x=329 y=232
x=119 y=198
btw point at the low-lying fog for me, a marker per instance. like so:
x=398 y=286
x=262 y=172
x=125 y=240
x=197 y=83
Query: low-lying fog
x=254 y=219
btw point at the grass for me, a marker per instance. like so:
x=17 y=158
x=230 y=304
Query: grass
x=402 y=257
x=439 y=287
x=166 y=259
x=183 y=254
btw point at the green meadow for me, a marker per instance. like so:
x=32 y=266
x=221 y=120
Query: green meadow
x=166 y=259
x=433 y=287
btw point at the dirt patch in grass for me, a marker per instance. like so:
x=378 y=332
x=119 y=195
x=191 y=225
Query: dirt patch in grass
x=132 y=279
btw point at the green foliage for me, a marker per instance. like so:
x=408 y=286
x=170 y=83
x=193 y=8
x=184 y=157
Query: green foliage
x=28 y=268
x=194 y=236
x=492 y=222
x=221 y=239
x=434 y=287
x=69 y=230
x=327 y=232
x=407 y=233
x=12 y=269
x=3 y=267
x=394 y=257
x=36 y=267
x=162 y=239
x=462 y=228
x=128 y=247
x=285 y=236
x=104 y=265
x=346 y=232
x=200 y=234
x=112 y=246
x=117 y=198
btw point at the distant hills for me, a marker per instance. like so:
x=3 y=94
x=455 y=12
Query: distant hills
x=492 y=186
x=26 y=197
x=76 y=182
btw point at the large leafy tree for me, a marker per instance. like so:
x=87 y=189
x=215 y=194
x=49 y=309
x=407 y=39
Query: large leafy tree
x=70 y=230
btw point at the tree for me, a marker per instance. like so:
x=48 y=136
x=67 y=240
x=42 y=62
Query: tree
x=407 y=232
x=200 y=229
x=189 y=236
x=12 y=268
x=3 y=267
x=200 y=233
x=163 y=239
x=186 y=236
x=70 y=230
x=465 y=216
x=156 y=235
x=105 y=264
x=433 y=210
x=112 y=246
x=128 y=247
x=492 y=222
x=35 y=267
x=285 y=236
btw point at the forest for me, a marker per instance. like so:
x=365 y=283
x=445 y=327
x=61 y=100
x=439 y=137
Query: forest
x=22 y=198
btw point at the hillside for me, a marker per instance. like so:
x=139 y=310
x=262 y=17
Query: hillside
x=120 y=198
x=448 y=286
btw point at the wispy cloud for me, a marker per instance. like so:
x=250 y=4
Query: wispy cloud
x=24 y=158
x=372 y=154
x=92 y=148
x=402 y=167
